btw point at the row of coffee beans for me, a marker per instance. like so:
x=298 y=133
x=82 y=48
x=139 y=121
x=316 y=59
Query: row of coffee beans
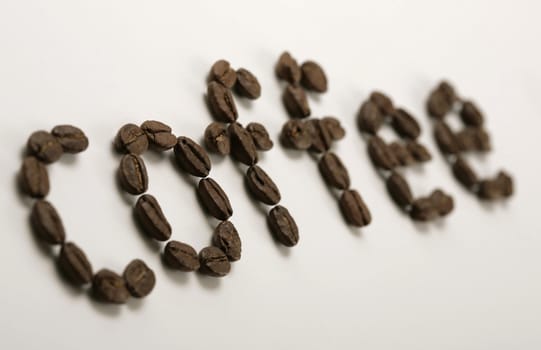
x=227 y=136
x=377 y=110
x=133 y=141
x=443 y=101
x=317 y=135
x=45 y=148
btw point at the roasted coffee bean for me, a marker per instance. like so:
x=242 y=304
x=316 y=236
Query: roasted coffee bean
x=73 y=262
x=418 y=151
x=283 y=226
x=221 y=103
x=445 y=138
x=72 y=139
x=214 y=199
x=295 y=102
x=399 y=190
x=222 y=72
x=47 y=223
x=321 y=138
x=295 y=134
x=402 y=154
x=247 y=84
x=313 y=77
x=423 y=209
x=438 y=104
x=464 y=173
x=191 y=157
x=471 y=115
x=354 y=209
x=227 y=239
x=499 y=187
x=334 y=128
x=34 y=178
x=243 y=148
x=380 y=153
x=383 y=102
x=159 y=135
x=448 y=92
x=442 y=202
x=45 y=147
x=180 y=256
x=333 y=171
x=109 y=287
x=132 y=174
x=261 y=186
x=506 y=183
x=150 y=216
x=217 y=139
x=405 y=125
x=131 y=139
x=288 y=69
x=213 y=262
x=260 y=136
x=473 y=139
x=370 y=118
x=140 y=279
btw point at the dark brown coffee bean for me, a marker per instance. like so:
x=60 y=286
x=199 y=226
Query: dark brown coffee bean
x=383 y=102
x=333 y=171
x=313 y=77
x=321 y=138
x=217 y=139
x=505 y=182
x=295 y=134
x=380 y=154
x=448 y=92
x=109 y=287
x=438 y=105
x=402 y=154
x=140 y=279
x=191 y=157
x=227 y=239
x=260 y=136
x=288 y=69
x=73 y=262
x=473 y=139
x=72 y=139
x=334 y=128
x=132 y=174
x=181 y=256
x=423 y=209
x=221 y=103
x=405 y=125
x=45 y=147
x=445 y=138
x=46 y=223
x=261 y=186
x=213 y=262
x=399 y=190
x=222 y=72
x=283 y=226
x=34 y=178
x=131 y=139
x=418 y=151
x=442 y=202
x=150 y=216
x=370 y=119
x=295 y=102
x=354 y=209
x=471 y=115
x=464 y=173
x=159 y=135
x=214 y=199
x=242 y=145
x=247 y=84
x=499 y=187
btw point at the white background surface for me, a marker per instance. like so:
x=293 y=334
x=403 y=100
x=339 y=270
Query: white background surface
x=469 y=282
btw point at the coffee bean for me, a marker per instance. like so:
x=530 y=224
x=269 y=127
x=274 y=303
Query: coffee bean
x=216 y=139
x=181 y=256
x=72 y=139
x=73 y=262
x=399 y=190
x=242 y=145
x=44 y=146
x=295 y=134
x=505 y=182
x=214 y=262
x=159 y=135
x=333 y=171
x=445 y=138
x=313 y=77
x=499 y=187
x=283 y=226
x=471 y=115
x=191 y=157
x=131 y=139
x=214 y=199
x=247 y=84
x=321 y=138
x=222 y=72
x=150 y=216
x=260 y=136
x=464 y=173
x=288 y=69
x=295 y=102
x=383 y=102
x=33 y=178
x=442 y=202
x=132 y=174
x=438 y=104
x=109 y=287
x=227 y=239
x=370 y=119
x=354 y=209
x=473 y=139
x=448 y=92
x=140 y=279
x=261 y=186
x=47 y=223
x=380 y=154
x=334 y=128
x=402 y=154
x=418 y=151
x=221 y=103
x=405 y=125
x=423 y=209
